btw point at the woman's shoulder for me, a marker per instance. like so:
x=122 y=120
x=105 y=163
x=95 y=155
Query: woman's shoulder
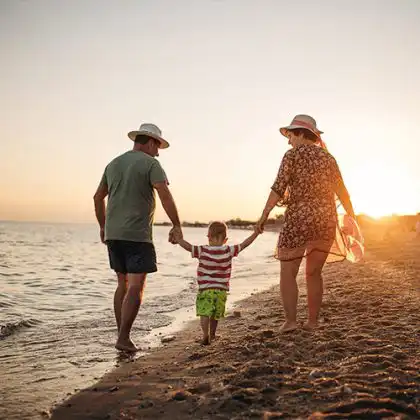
x=290 y=153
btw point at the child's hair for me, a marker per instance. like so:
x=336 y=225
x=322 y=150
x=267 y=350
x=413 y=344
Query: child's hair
x=218 y=230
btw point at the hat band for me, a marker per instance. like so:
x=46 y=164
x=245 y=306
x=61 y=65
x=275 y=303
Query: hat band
x=304 y=124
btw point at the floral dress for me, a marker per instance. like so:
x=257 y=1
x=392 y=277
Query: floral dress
x=306 y=182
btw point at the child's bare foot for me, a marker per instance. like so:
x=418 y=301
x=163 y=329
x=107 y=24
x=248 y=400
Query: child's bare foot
x=310 y=325
x=288 y=326
x=205 y=341
x=126 y=345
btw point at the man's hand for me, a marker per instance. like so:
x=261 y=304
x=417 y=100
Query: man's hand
x=102 y=235
x=178 y=236
x=175 y=234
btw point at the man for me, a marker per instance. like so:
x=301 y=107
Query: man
x=129 y=182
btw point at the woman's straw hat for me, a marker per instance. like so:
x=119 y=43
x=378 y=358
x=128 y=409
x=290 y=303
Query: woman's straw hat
x=302 y=121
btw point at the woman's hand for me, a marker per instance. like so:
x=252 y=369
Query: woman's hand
x=259 y=227
x=272 y=200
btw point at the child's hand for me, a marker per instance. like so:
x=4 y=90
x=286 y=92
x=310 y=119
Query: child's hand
x=178 y=236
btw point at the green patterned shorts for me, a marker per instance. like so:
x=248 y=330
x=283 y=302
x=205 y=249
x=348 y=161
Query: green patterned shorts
x=211 y=303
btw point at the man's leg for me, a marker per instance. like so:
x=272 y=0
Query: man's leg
x=129 y=310
x=289 y=292
x=119 y=297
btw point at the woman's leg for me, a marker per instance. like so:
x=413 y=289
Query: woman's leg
x=289 y=292
x=314 y=264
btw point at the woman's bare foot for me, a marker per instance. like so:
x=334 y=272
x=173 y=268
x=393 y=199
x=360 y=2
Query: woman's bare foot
x=127 y=345
x=288 y=326
x=310 y=325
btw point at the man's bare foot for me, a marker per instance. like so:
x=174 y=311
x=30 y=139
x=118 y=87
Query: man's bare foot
x=288 y=326
x=126 y=346
x=214 y=337
x=310 y=325
x=205 y=341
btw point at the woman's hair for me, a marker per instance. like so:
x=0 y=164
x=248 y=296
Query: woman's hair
x=218 y=230
x=307 y=134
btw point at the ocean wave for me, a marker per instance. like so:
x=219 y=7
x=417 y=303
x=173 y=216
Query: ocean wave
x=10 y=328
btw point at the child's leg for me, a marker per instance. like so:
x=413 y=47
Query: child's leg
x=219 y=311
x=213 y=328
x=205 y=323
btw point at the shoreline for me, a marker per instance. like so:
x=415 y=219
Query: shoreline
x=73 y=349
x=361 y=360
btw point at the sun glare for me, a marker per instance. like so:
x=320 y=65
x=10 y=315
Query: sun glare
x=378 y=191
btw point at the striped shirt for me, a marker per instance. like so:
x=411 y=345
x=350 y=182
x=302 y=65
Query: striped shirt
x=214 y=265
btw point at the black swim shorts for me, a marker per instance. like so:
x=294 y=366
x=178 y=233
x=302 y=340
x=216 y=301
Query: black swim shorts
x=131 y=257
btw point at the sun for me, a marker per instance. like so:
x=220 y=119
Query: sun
x=378 y=190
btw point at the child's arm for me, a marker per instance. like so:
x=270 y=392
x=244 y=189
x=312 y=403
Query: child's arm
x=180 y=240
x=248 y=241
x=184 y=244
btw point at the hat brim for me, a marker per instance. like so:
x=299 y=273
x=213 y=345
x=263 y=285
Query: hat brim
x=163 y=144
x=284 y=130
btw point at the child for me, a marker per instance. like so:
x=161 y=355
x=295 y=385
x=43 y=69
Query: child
x=213 y=275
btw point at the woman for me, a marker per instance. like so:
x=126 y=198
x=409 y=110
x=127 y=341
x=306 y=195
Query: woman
x=307 y=183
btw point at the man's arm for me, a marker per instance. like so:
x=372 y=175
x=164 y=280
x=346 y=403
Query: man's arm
x=248 y=241
x=99 y=201
x=168 y=202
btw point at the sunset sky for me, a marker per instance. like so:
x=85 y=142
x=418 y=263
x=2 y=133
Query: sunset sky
x=219 y=77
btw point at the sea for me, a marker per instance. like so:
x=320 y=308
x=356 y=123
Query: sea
x=56 y=294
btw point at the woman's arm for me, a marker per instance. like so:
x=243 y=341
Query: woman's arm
x=278 y=189
x=344 y=197
x=342 y=193
x=272 y=200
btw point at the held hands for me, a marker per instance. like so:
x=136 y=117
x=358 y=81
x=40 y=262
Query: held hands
x=175 y=235
x=259 y=227
x=102 y=235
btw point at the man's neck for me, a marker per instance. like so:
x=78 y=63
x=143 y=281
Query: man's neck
x=140 y=148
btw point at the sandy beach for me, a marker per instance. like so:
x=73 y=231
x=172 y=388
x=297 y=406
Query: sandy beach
x=362 y=363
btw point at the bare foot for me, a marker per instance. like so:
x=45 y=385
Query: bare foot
x=309 y=326
x=288 y=326
x=128 y=346
x=205 y=341
x=213 y=337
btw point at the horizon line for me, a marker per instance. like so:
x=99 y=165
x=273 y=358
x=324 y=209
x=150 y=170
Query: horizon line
x=184 y=221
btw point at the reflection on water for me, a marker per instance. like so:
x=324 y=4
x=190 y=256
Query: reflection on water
x=56 y=291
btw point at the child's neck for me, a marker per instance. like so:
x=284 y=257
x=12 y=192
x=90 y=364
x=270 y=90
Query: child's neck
x=216 y=243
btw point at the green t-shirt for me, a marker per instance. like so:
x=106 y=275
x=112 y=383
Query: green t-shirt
x=131 y=196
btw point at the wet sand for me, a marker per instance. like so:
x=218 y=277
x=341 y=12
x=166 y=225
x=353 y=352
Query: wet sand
x=362 y=363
